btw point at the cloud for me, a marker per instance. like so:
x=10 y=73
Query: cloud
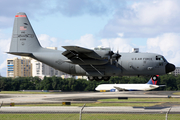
x=3 y=65
x=87 y=41
x=80 y=7
x=9 y=8
x=117 y=44
x=38 y=9
x=4 y=47
x=5 y=22
x=167 y=45
x=47 y=41
x=145 y=19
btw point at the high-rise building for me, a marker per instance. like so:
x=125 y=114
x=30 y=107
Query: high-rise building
x=17 y=67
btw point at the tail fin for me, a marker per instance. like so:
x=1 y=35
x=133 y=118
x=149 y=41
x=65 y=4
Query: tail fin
x=153 y=80
x=24 y=40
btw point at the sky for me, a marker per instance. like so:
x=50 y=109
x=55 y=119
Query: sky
x=150 y=25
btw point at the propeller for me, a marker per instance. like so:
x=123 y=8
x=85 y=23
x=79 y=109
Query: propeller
x=115 y=56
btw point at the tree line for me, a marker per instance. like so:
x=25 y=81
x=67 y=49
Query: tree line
x=70 y=84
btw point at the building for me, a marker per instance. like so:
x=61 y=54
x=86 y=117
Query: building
x=19 y=67
x=176 y=71
x=82 y=77
x=41 y=70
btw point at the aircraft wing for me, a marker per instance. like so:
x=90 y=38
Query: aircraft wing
x=120 y=89
x=83 y=53
x=83 y=56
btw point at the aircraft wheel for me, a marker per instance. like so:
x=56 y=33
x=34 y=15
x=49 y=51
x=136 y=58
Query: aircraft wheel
x=98 y=78
x=106 y=78
x=91 y=78
x=154 y=77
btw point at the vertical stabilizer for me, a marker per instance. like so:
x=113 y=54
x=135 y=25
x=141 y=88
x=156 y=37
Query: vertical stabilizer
x=23 y=38
x=153 y=80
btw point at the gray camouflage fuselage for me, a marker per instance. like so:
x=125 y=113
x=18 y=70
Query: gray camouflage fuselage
x=82 y=61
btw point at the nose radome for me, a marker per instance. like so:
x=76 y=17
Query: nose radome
x=170 y=67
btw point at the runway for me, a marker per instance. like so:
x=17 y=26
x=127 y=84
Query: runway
x=85 y=97
x=70 y=109
x=81 y=96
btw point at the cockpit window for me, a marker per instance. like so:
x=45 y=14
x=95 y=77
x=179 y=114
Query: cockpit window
x=161 y=58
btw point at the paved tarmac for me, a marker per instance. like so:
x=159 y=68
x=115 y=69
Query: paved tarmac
x=81 y=96
x=84 y=97
x=72 y=109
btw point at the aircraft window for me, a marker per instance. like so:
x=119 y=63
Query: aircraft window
x=157 y=57
x=164 y=59
x=161 y=58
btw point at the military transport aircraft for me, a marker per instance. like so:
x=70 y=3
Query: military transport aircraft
x=151 y=84
x=97 y=64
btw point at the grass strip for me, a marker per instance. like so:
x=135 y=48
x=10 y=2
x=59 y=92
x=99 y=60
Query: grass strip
x=142 y=100
x=176 y=93
x=98 y=116
x=23 y=92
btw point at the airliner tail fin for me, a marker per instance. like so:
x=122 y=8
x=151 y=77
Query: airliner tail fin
x=153 y=80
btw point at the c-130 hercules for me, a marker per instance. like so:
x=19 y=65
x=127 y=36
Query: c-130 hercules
x=97 y=64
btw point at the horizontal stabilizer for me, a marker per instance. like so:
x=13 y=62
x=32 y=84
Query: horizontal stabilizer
x=20 y=53
x=161 y=85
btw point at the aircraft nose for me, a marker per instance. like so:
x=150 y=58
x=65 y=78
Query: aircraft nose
x=97 y=88
x=170 y=67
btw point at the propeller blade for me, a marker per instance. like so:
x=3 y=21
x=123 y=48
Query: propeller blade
x=111 y=53
x=117 y=57
x=111 y=56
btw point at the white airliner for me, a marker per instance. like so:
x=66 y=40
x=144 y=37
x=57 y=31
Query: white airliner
x=151 y=84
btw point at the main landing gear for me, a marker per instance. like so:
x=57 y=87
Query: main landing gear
x=98 y=78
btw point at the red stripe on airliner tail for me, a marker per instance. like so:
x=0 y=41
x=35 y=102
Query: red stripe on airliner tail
x=20 y=16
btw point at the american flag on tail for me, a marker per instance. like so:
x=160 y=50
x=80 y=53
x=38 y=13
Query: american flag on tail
x=23 y=28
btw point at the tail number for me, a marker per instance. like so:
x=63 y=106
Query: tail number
x=23 y=35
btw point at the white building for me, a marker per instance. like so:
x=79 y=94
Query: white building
x=176 y=71
x=41 y=70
